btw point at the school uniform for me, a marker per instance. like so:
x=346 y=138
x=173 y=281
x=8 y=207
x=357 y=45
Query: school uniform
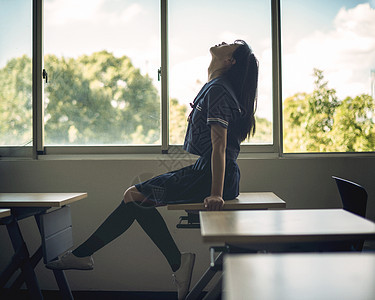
x=216 y=103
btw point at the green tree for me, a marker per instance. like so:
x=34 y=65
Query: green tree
x=94 y=99
x=103 y=99
x=295 y=112
x=319 y=122
x=15 y=102
x=75 y=113
x=100 y=99
x=177 y=122
x=321 y=107
x=263 y=132
x=353 y=128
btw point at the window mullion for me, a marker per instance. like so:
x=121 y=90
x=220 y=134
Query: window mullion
x=37 y=67
x=276 y=76
x=164 y=77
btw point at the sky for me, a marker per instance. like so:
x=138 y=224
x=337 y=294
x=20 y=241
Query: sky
x=343 y=48
x=336 y=36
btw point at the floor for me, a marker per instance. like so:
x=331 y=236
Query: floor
x=369 y=246
x=97 y=295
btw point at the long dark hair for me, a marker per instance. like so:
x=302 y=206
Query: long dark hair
x=243 y=76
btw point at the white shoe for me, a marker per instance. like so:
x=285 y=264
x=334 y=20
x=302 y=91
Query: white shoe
x=182 y=277
x=71 y=262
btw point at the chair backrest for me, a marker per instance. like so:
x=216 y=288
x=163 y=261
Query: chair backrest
x=353 y=196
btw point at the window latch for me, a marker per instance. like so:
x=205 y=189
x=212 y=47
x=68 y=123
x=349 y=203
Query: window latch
x=45 y=75
x=159 y=74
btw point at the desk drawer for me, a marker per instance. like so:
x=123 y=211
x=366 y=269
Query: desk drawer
x=56 y=232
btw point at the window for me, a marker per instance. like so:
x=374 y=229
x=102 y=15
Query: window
x=121 y=74
x=15 y=73
x=102 y=59
x=189 y=56
x=328 y=62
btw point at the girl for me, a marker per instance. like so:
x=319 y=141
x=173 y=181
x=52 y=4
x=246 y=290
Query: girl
x=221 y=118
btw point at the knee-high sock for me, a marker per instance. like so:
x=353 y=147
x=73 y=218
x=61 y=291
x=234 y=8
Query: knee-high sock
x=121 y=219
x=115 y=225
x=154 y=225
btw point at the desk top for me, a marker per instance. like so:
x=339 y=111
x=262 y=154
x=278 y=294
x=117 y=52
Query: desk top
x=279 y=226
x=4 y=213
x=299 y=276
x=253 y=200
x=39 y=199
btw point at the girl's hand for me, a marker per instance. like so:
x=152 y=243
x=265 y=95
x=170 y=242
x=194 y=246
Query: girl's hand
x=213 y=203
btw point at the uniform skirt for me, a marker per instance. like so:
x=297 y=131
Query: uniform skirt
x=191 y=184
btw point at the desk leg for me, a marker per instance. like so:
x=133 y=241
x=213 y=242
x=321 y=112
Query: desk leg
x=60 y=277
x=11 y=268
x=204 y=280
x=27 y=269
x=35 y=259
x=63 y=284
x=215 y=292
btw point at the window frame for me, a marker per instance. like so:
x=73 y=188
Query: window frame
x=39 y=148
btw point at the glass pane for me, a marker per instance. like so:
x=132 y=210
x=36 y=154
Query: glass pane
x=328 y=59
x=193 y=31
x=15 y=73
x=102 y=58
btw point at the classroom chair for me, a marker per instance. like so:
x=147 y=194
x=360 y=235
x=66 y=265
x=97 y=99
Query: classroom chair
x=354 y=199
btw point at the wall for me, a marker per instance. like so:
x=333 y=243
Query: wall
x=132 y=262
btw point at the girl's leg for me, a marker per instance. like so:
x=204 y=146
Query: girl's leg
x=132 y=208
x=122 y=218
x=154 y=225
x=115 y=225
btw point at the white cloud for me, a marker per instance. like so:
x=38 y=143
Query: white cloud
x=130 y=13
x=81 y=27
x=61 y=12
x=346 y=54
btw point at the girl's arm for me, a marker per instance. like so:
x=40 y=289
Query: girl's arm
x=219 y=144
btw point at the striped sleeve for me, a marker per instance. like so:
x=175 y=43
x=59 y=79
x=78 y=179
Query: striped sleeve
x=219 y=109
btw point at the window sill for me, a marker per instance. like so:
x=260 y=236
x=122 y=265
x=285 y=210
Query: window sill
x=183 y=156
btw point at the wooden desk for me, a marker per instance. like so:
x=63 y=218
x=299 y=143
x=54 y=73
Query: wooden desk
x=48 y=200
x=327 y=276
x=266 y=228
x=56 y=233
x=244 y=201
x=4 y=213
x=283 y=231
